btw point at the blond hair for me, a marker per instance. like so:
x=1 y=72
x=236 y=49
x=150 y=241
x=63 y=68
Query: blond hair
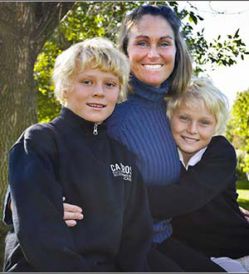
x=202 y=89
x=95 y=53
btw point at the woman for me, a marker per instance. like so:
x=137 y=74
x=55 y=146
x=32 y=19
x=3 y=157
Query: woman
x=73 y=156
x=160 y=67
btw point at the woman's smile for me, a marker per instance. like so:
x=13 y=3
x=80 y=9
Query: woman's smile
x=151 y=50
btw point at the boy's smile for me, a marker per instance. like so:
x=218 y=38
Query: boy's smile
x=192 y=128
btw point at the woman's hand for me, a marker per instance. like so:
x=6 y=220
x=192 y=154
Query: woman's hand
x=72 y=214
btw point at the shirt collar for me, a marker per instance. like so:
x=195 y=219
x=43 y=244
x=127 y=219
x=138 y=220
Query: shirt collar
x=194 y=159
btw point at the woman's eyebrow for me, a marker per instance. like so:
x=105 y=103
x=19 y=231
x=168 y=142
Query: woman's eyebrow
x=167 y=37
x=148 y=37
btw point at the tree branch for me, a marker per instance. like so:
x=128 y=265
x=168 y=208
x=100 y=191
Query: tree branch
x=47 y=16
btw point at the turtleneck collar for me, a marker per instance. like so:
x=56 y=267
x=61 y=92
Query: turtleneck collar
x=154 y=94
x=76 y=121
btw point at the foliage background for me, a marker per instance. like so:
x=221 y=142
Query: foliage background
x=104 y=19
x=238 y=130
x=89 y=19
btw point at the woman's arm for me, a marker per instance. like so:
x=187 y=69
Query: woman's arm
x=198 y=185
x=72 y=213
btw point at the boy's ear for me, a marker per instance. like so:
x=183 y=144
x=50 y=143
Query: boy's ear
x=65 y=93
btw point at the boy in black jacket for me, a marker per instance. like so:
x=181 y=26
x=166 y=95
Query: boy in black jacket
x=73 y=157
x=204 y=207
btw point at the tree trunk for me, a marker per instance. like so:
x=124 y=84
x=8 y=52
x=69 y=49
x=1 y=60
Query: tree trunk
x=24 y=28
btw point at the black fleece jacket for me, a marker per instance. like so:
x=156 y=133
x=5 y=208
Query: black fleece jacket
x=95 y=172
x=204 y=204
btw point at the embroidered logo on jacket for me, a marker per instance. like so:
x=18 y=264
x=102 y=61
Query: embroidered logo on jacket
x=121 y=170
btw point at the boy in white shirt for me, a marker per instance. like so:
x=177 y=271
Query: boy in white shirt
x=216 y=227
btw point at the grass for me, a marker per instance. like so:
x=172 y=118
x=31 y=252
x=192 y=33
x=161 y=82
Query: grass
x=243 y=191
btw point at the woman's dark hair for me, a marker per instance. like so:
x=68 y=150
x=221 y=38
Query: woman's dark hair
x=182 y=72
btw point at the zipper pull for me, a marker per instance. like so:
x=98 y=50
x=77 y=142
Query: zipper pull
x=95 y=129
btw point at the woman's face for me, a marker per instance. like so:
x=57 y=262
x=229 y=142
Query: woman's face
x=151 y=50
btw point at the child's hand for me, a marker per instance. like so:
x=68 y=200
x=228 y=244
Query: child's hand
x=72 y=214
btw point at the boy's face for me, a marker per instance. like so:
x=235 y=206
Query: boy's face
x=93 y=95
x=192 y=128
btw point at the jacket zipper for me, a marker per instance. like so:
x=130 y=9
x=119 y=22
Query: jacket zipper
x=95 y=129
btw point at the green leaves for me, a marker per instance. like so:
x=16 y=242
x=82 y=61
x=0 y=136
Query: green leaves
x=238 y=128
x=193 y=18
x=48 y=107
x=90 y=19
x=221 y=51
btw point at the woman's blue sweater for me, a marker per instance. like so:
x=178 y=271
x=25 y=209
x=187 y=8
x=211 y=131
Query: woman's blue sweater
x=142 y=125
